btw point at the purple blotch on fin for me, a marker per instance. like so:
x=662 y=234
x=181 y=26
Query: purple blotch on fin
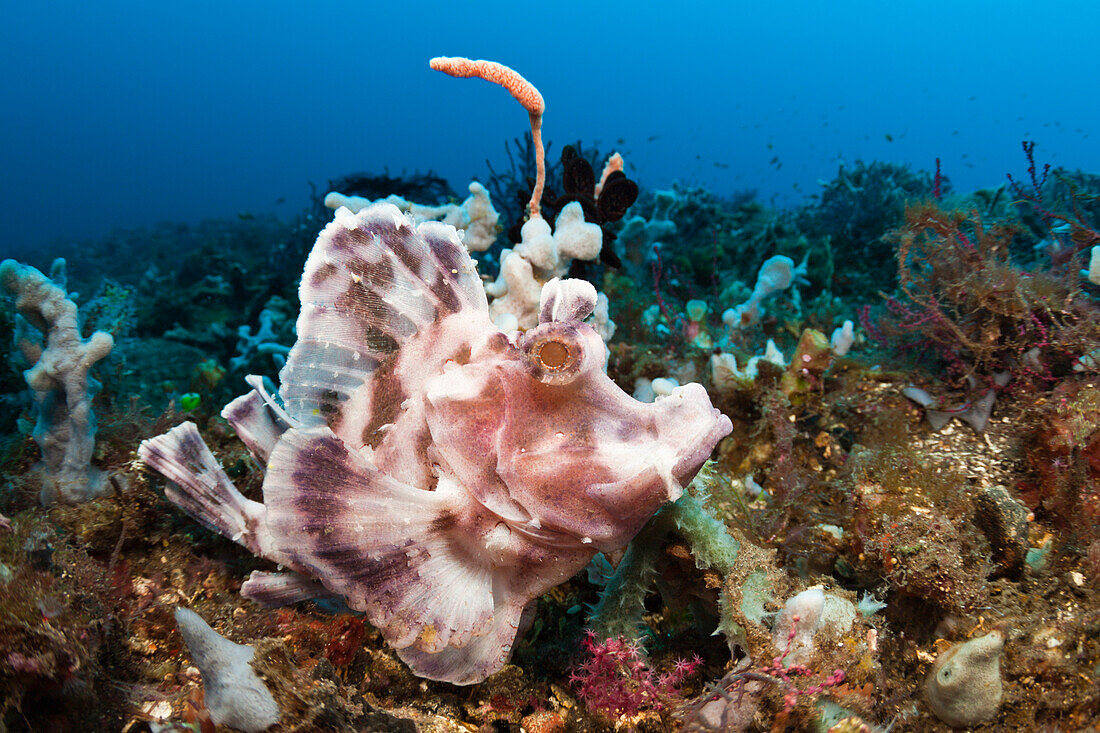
x=395 y=552
x=281 y=589
x=371 y=283
x=205 y=492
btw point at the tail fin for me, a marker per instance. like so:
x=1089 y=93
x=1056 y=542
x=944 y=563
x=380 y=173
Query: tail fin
x=203 y=490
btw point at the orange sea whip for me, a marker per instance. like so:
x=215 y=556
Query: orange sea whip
x=524 y=92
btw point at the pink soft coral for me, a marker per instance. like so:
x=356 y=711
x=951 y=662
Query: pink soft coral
x=616 y=680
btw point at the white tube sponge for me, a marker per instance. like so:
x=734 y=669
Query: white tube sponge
x=537 y=245
x=479 y=224
x=234 y=694
x=577 y=239
x=515 y=292
x=601 y=318
x=573 y=239
x=807 y=615
x=540 y=256
x=475 y=217
x=726 y=375
x=843 y=338
x=63 y=390
x=776 y=274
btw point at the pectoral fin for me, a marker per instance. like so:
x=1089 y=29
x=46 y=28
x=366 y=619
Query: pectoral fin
x=202 y=488
x=393 y=551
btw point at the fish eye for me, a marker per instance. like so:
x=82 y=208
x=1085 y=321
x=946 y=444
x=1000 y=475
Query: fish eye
x=553 y=355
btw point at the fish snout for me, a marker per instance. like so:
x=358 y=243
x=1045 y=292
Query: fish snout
x=688 y=415
x=690 y=402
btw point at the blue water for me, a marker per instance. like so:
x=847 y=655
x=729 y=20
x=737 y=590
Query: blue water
x=120 y=114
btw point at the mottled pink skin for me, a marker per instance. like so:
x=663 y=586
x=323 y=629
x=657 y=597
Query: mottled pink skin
x=559 y=464
x=433 y=471
x=583 y=460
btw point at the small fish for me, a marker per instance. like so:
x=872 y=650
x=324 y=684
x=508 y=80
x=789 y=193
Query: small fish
x=435 y=473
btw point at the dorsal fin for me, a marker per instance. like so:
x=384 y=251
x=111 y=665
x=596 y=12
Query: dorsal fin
x=372 y=282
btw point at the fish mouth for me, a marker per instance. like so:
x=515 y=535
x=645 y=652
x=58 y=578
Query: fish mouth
x=700 y=423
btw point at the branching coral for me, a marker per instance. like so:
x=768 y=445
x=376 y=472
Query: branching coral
x=857 y=209
x=619 y=610
x=969 y=305
x=60 y=380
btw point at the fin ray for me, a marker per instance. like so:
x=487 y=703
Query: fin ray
x=204 y=490
x=256 y=424
x=393 y=551
x=371 y=283
x=472 y=663
x=272 y=590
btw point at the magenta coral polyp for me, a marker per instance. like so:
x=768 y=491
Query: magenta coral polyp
x=616 y=680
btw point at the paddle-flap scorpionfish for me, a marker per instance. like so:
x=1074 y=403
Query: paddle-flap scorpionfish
x=434 y=472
